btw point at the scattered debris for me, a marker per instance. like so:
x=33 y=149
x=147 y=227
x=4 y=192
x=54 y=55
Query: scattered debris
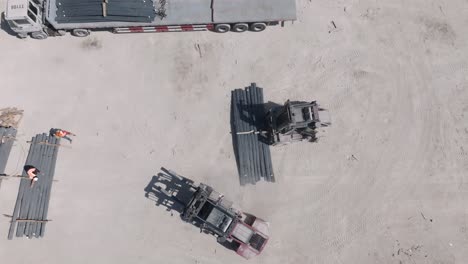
x=424 y=217
x=332 y=27
x=161 y=9
x=441 y=10
x=10 y=117
x=197 y=48
x=333 y=23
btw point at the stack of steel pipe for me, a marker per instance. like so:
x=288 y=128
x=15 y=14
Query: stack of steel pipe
x=86 y=11
x=252 y=154
x=7 y=137
x=32 y=204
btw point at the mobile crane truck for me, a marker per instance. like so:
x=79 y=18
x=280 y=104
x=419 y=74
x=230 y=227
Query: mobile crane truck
x=42 y=18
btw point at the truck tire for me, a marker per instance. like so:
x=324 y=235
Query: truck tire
x=39 y=35
x=240 y=27
x=221 y=239
x=79 y=32
x=257 y=27
x=222 y=28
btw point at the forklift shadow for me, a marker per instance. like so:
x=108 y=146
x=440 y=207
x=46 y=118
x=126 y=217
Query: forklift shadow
x=175 y=192
x=171 y=191
x=4 y=25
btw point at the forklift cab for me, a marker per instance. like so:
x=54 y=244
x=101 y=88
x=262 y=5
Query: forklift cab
x=24 y=16
x=299 y=115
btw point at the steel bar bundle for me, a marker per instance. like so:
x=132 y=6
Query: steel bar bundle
x=32 y=204
x=76 y=11
x=7 y=137
x=247 y=119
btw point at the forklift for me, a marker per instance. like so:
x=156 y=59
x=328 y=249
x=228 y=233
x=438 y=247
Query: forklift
x=295 y=121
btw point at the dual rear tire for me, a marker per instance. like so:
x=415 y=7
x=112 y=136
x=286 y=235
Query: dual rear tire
x=75 y=32
x=240 y=27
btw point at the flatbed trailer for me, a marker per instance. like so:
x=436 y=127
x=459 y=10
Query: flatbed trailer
x=42 y=18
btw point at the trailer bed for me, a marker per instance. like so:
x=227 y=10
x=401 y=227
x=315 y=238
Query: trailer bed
x=180 y=12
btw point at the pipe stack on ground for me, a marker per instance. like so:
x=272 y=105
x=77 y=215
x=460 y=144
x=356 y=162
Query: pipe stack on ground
x=247 y=119
x=7 y=137
x=32 y=204
x=87 y=11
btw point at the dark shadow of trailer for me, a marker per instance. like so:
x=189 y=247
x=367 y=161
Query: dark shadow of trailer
x=42 y=18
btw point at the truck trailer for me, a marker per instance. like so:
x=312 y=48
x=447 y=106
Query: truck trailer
x=42 y=18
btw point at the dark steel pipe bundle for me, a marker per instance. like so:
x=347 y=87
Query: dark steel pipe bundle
x=32 y=204
x=7 y=137
x=82 y=11
x=247 y=119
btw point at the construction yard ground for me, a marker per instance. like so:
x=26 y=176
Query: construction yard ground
x=386 y=183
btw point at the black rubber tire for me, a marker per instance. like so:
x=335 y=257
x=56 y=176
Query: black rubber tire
x=39 y=35
x=240 y=27
x=222 y=28
x=221 y=239
x=257 y=27
x=81 y=33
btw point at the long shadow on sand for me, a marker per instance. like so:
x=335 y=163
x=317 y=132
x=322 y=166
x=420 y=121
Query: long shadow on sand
x=174 y=192
x=170 y=190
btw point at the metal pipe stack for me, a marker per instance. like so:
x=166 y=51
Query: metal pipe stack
x=87 y=11
x=7 y=137
x=247 y=120
x=32 y=204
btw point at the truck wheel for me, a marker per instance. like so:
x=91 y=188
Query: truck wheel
x=240 y=27
x=39 y=35
x=257 y=27
x=222 y=28
x=79 y=32
x=221 y=239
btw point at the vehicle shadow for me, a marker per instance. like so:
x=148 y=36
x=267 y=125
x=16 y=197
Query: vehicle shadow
x=170 y=190
x=5 y=27
x=174 y=192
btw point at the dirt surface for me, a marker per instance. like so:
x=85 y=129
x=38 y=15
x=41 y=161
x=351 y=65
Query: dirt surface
x=387 y=183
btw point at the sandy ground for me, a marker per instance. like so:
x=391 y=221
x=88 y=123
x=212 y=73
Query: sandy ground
x=386 y=184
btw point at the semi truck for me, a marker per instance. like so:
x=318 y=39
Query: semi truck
x=40 y=19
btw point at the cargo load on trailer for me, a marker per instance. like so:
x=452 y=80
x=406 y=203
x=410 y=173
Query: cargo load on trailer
x=42 y=18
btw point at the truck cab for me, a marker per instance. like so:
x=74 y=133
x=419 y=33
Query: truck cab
x=25 y=17
x=250 y=234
